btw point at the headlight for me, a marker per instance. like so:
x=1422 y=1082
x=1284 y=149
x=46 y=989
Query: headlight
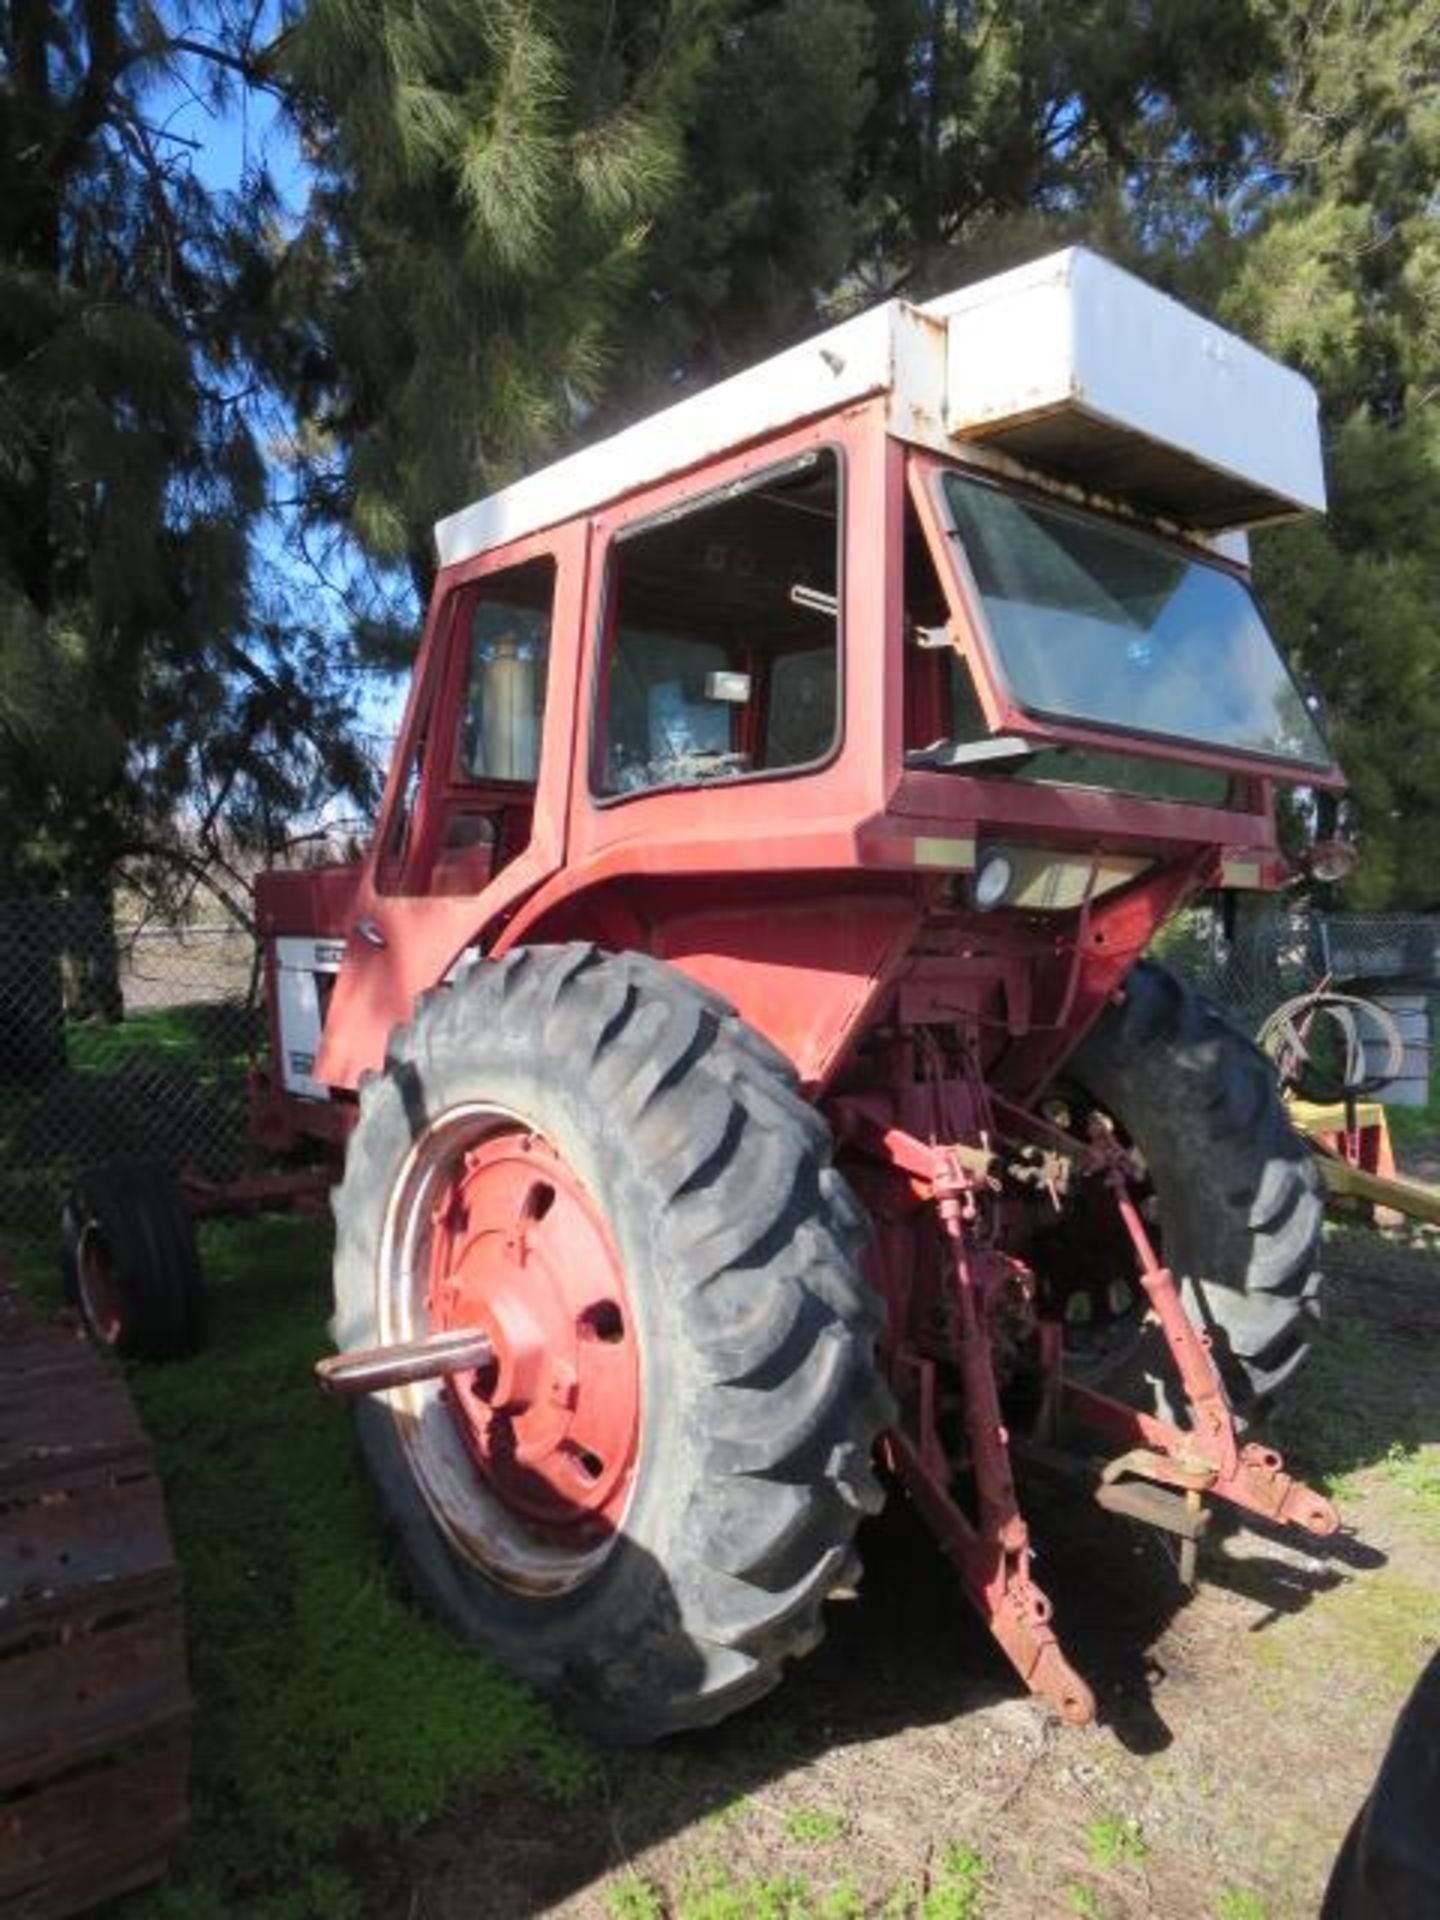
x=992 y=881
x=1332 y=860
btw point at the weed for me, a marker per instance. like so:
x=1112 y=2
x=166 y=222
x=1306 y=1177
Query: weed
x=1083 y=1900
x=1115 y=1842
x=813 y=1826
x=727 y=1813
x=716 y=1895
x=843 y=1901
x=957 y=1890
x=1238 y=1903
x=1415 y=1469
x=1378 y=1635
x=634 y=1898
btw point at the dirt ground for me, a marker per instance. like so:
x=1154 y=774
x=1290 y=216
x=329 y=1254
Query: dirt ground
x=1239 y=1728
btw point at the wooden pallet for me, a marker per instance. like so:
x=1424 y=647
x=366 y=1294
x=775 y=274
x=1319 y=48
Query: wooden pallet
x=94 y=1702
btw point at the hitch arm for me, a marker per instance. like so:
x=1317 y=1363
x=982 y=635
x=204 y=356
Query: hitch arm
x=1209 y=1458
x=992 y=1553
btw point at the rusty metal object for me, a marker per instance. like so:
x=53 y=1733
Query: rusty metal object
x=373 y=1369
x=94 y=1704
x=306 y=1191
x=992 y=1552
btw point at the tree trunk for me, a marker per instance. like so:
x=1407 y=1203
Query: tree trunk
x=32 y=1004
x=91 y=960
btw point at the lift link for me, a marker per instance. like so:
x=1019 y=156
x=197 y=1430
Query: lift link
x=993 y=1555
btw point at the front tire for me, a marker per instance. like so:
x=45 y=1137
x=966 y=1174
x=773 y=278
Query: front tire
x=644 y=1508
x=1237 y=1194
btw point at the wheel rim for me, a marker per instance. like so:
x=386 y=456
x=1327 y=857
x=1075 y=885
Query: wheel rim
x=529 y=1464
x=95 y=1280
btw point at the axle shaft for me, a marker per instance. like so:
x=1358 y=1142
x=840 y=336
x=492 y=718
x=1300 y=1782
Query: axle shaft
x=373 y=1369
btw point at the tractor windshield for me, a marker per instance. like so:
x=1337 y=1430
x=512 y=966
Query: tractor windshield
x=1094 y=623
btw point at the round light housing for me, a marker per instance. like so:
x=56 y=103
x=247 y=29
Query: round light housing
x=1331 y=860
x=992 y=881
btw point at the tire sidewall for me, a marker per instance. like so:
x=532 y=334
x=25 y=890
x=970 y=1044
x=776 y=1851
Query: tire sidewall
x=136 y=1208
x=628 y=1590
x=1237 y=1195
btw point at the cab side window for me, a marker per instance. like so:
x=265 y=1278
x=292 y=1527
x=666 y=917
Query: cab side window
x=466 y=805
x=941 y=702
x=507 y=653
x=721 y=654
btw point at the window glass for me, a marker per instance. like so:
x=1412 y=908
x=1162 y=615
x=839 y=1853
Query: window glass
x=723 y=649
x=508 y=650
x=800 y=713
x=1095 y=623
x=396 y=847
x=1130 y=773
x=943 y=709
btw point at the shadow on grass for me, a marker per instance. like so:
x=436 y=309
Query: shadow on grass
x=348 y=1751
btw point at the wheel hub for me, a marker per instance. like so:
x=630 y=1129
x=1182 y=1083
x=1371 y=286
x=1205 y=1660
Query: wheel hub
x=519 y=1250
x=99 y=1293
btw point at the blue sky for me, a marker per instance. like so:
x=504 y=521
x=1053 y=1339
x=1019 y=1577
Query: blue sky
x=224 y=145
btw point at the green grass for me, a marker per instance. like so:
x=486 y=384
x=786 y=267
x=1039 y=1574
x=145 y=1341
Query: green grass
x=1415 y=1126
x=814 y=1826
x=175 y=1035
x=1115 y=1842
x=328 y=1710
x=1346 y=1415
x=955 y=1891
x=774 y=1896
x=634 y=1898
x=169 y=1080
x=1083 y=1900
x=1238 y=1903
x=1415 y=1469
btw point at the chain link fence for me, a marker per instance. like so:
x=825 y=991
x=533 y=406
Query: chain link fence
x=118 y=1037
x=122 y=1037
x=1382 y=949
x=1265 y=957
x=1274 y=951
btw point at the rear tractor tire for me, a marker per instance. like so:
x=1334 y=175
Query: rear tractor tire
x=128 y=1260
x=642 y=1505
x=1236 y=1194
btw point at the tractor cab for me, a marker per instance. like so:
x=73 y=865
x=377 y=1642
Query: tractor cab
x=955 y=590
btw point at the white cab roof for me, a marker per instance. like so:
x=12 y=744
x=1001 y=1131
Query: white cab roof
x=1068 y=370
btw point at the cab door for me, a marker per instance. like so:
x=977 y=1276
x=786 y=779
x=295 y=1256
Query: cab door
x=465 y=806
x=475 y=807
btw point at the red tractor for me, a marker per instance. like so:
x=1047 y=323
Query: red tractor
x=751 y=1093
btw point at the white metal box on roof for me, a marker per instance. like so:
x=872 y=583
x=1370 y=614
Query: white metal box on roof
x=1070 y=367
x=1077 y=368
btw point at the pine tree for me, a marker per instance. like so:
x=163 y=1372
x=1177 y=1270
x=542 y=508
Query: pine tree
x=1332 y=261
x=140 y=700
x=487 y=177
